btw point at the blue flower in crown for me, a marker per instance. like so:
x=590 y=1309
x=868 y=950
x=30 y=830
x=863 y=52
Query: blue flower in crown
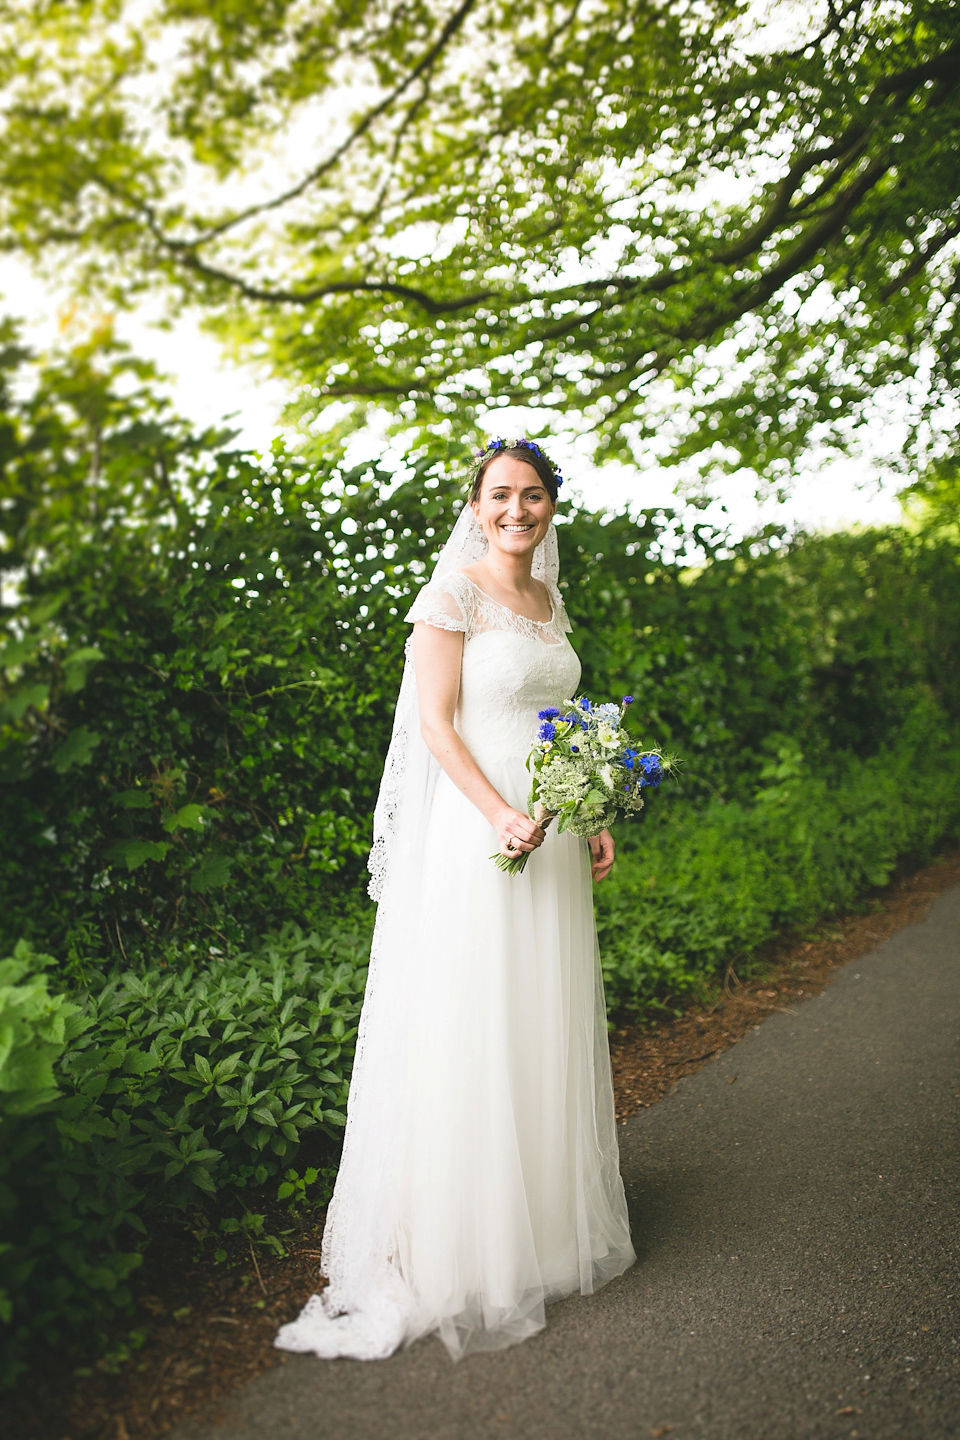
x=499 y=443
x=548 y=731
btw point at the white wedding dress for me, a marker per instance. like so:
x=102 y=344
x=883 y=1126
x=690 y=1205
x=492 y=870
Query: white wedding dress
x=480 y=1176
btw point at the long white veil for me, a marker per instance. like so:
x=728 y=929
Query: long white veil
x=410 y=771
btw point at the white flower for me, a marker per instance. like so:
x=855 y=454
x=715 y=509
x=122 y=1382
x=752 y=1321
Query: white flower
x=606 y=775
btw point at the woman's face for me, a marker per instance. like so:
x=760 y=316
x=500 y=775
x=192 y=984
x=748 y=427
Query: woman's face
x=514 y=507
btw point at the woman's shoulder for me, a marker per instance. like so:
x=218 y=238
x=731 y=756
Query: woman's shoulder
x=445 y=603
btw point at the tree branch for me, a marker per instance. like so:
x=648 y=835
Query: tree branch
x=921 y=260
x=425 y=63
x=277 y=296
x=815 y=238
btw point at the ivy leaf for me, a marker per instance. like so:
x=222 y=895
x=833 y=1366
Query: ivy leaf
x=21 y=700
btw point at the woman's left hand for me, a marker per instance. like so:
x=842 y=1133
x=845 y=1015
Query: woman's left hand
x=603 y=853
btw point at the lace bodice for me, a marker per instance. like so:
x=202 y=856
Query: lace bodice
x=457 y=603
x=512 y=666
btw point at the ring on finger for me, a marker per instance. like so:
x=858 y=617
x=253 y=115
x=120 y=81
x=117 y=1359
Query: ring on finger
x=511 y=842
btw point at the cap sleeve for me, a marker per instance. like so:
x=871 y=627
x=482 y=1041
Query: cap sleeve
x=442 y=604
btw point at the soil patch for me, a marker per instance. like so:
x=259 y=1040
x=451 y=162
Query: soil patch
x=203 y=1328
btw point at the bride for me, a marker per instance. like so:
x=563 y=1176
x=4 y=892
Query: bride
x=480 y=1175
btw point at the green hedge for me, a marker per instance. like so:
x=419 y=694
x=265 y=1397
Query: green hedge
x=697 y=888
x=199 y=657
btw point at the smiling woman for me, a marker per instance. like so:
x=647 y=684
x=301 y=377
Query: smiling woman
x=480 y=1175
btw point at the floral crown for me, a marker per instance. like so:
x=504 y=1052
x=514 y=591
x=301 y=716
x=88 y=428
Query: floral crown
x=495 y=446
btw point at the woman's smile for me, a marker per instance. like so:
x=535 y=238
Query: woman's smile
x=514 y=504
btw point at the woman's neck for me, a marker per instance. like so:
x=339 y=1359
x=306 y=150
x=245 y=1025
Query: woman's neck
x=509 y=572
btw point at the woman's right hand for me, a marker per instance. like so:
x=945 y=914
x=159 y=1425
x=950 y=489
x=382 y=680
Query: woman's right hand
x=516 y=831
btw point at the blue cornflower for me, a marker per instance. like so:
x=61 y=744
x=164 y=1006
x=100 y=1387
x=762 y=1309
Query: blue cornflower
x=585 y=703
x=652 y=771
x=628 y=699
x=551 y=713
x=575 y=749
x=630 y=759
x=548 y=730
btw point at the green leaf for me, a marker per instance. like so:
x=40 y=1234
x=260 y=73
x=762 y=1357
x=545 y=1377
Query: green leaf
x=212 y=872
x=76 y=665
x=141 y=1062
x=133 y=853
x=34 y=694
x=188 y=817
x=134 y=800
x=76 y=750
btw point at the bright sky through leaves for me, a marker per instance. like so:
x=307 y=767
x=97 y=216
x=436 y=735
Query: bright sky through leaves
x=686 y=238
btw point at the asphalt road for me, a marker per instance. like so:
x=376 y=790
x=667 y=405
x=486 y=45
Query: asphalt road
x=795 y=1210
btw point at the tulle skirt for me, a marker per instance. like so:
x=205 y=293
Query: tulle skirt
x=480 y=1174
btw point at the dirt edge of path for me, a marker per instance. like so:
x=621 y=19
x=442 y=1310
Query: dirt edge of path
x=203 y=1329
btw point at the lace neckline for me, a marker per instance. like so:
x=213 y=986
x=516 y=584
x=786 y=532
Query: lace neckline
x=509 y=609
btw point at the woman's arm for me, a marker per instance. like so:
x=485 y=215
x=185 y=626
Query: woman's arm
x=437 y=655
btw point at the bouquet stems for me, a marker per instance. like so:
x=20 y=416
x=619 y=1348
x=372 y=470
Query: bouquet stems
x=515 y=864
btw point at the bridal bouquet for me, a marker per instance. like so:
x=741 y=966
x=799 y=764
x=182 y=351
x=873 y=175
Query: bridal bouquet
x=585 y=772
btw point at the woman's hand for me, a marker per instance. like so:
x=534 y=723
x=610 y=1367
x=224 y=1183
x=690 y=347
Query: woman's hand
x=516 y=831
x=602 y=853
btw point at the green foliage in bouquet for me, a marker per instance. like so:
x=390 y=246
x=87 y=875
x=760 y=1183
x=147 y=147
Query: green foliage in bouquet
x=585 y=773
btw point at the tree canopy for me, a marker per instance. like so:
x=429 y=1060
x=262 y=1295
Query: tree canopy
x=659 y=215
